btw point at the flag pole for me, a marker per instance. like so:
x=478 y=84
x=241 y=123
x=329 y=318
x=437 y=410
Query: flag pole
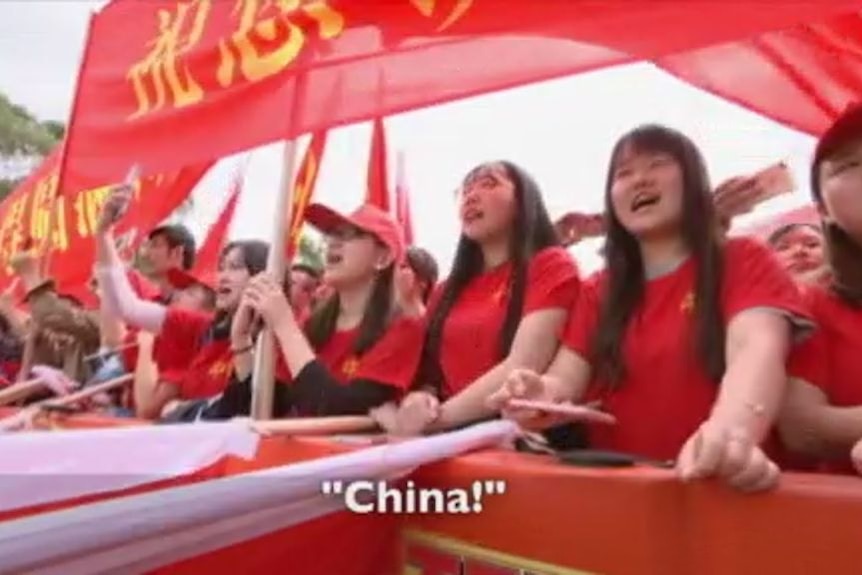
x=54 y=215
x=263 y=379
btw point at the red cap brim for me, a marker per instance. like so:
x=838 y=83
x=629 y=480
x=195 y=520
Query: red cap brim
x=326 y=219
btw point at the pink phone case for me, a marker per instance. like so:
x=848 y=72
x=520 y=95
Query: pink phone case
x=573 y=412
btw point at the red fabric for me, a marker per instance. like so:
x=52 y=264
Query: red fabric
x=393 y=360
x=394 y=56
x=27 y=212
x=303 y=189
x=666 y=394
x=830 y=359
x=377 y=193
x=802 y=76
x=199 y=368
x=402 y=202
x=207 y=257
x=470 y=344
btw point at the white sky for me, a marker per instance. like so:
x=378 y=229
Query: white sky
x=561 y=131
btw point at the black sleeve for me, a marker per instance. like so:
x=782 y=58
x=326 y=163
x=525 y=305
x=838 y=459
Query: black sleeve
x=316 y=391
x=235 y=401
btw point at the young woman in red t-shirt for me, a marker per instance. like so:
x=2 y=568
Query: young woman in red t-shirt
x=823 y=414
x=198 y=341
x=683 y=337
x=503 y=305
x=357 y=351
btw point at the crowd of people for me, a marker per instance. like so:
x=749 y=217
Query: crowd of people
x=728 y=356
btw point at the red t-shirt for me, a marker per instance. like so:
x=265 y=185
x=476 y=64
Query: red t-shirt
x=470 y=342
x=392 y=360
x=829 y=359
x=666 y=394
x=210 y=363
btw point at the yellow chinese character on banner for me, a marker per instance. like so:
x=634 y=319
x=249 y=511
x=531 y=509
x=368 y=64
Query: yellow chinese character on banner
x=12 y=231
x=60 y=231
x=88 y=208
x=428 y=7
x=240 y=56
x=161 y=78
x=42 y=207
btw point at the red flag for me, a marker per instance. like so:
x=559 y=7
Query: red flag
x=27 y=214
x=221 y=76
x=303 y=189
x=377 y=193
x=402 y=200
x=207 y=258
x=803 y=77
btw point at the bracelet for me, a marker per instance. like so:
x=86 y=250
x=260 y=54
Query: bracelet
x=242 y=350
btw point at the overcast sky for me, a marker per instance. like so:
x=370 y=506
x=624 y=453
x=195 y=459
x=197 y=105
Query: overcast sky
x=561 y=131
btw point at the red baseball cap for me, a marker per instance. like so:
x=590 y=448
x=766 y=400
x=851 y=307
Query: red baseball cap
x=368 y=218
x=182 y=279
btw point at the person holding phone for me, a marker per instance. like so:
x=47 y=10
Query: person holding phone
x=357 y=351
x=823 y=413
x=684 y=336
x=502 y=307
x=203 y=339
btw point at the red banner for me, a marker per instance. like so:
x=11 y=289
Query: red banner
x=169 y=83
x=303 y=190
x=377 y=193
x=803 y=77
x=27 y=214
x=207 y=258
x=402 y=200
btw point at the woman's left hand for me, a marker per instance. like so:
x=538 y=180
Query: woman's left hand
x=716 y=450
x=267 y=298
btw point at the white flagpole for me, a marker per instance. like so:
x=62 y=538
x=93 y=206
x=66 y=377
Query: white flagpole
x=263 y=380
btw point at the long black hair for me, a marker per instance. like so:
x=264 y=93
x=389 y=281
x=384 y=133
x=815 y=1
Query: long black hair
x=626 y=279
x=532 y=232
x=379 y=312
x=254 y=255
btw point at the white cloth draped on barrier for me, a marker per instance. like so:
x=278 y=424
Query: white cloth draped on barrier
x=38 y=467
x=138 y=533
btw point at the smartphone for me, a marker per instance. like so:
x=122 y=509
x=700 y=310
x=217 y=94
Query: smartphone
x=776 y=180
x=567 y=410
x=131 y=177
x=599 y=458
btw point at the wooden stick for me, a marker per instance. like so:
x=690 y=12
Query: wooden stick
x=315 y=425
x=89 y=391
x=26 y=414
x=21 y=390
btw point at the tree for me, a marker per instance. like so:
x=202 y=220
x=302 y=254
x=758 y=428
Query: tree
x=24 y=141
x=55 y=128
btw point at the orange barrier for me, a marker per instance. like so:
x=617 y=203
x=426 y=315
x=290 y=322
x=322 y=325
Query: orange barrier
x=556 y=519
x=640 y=521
